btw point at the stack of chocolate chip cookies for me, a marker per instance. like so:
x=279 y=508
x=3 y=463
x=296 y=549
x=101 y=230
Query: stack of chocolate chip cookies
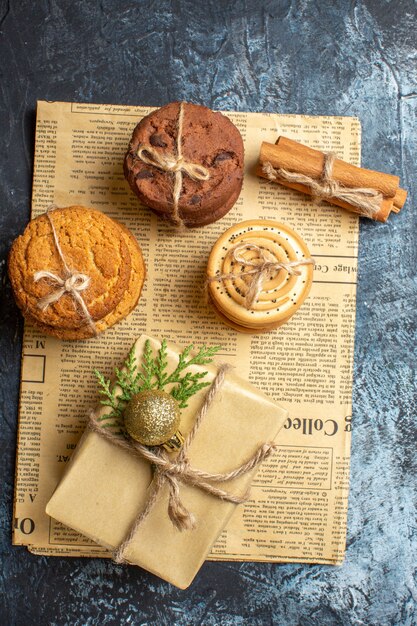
x=75 y=272
x=206 y=147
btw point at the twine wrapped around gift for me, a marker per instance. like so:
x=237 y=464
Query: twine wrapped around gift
x=72 y=282
x=367 y=200
x=178 y=470
x=175 y=164
x=262 y=269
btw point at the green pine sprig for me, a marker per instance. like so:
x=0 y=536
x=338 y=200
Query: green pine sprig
x=152 y=373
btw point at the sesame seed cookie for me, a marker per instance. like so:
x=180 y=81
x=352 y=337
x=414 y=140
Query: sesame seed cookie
x=235 y=263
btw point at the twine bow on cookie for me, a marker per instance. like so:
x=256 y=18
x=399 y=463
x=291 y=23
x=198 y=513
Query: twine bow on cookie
x=367 y=200
x=178 y=471
x=72 y=282
x=262 y=269
x=175 y=164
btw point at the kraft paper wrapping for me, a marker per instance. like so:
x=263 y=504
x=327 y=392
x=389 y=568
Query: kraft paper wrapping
x=104 y=487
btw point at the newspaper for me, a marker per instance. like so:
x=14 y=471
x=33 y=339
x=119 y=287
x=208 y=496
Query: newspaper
x=298 y=506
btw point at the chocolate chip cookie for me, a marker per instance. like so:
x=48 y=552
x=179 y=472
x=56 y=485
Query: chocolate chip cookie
x=199 y=137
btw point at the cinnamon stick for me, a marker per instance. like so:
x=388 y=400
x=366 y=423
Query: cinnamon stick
x=399 y=200
x=292 y=156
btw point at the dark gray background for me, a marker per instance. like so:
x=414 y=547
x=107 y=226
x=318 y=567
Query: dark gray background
x=303 y=56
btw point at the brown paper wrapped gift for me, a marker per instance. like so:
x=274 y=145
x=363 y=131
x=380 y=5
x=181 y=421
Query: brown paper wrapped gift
x=105 y=487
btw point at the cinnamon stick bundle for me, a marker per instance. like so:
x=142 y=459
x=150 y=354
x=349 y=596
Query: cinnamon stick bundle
x=366 y=192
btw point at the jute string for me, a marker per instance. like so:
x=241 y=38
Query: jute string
x=367 y=200
x=175 y=164
x=72 y=282
x=176 y=471
x=262 y=270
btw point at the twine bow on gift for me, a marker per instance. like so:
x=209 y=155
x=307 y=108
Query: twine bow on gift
x=262 y=269
x=367 y=200
x=72 y=282
x=175 y=164
x=178 y=471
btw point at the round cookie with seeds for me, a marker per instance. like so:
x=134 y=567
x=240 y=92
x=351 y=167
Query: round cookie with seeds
x=67 y=243
x=243 y=296
x=206 y=139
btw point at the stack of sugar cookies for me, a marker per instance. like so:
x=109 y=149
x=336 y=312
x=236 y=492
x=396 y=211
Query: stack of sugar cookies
x=259 y=273
x=75 y=272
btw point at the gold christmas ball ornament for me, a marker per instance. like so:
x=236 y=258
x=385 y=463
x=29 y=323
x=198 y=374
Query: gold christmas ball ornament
x=152 y=418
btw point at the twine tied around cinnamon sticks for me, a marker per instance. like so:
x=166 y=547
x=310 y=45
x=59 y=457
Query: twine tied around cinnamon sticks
x=72 y=282
x=174 y=472
x=367 y=200
x=175 y=164
x=262 y=269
